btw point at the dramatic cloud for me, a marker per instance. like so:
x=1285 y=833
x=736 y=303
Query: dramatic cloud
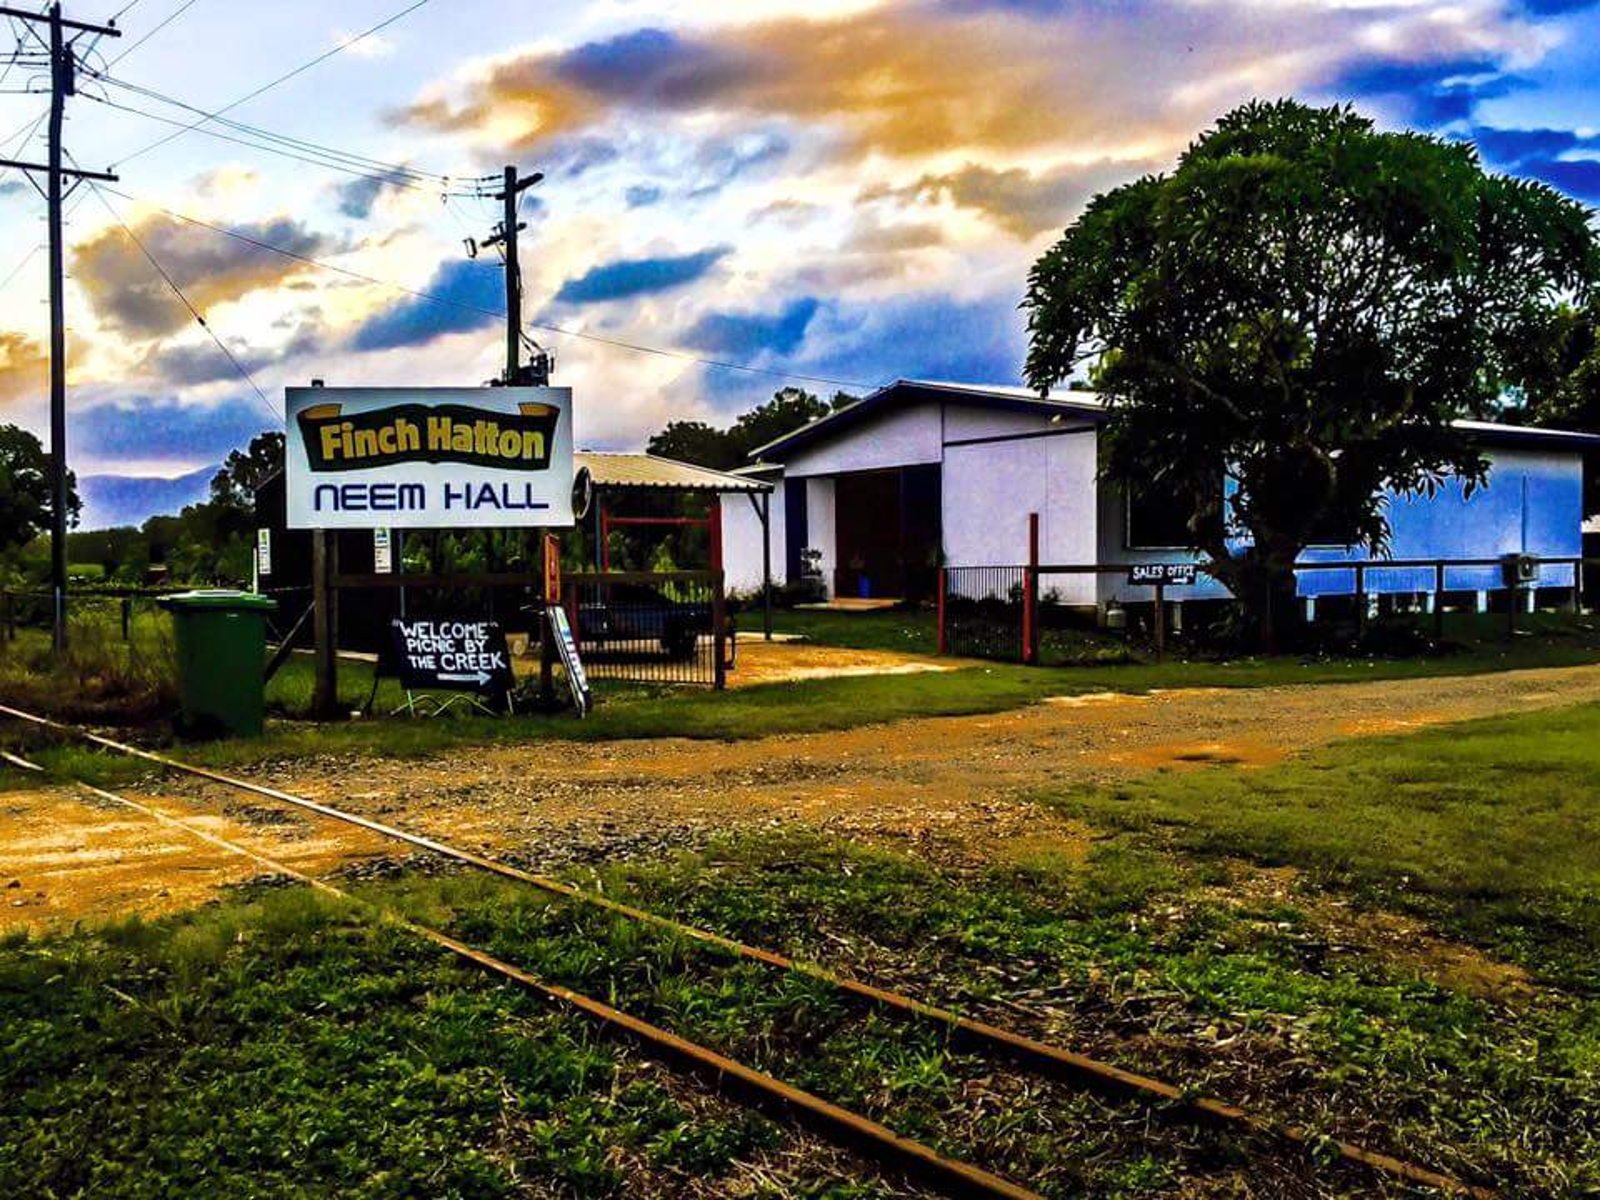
x=918 y=79
x=1562 y=158
x=12 y=187
x=131 y=298
x=638 y=277
x=199 y=363
x=642 y=195
x=746 y=335
x=1429 y=94
x=357 y=198
x=1020 y=202
x=476 y=295
x=23 y=367
x=168 y=430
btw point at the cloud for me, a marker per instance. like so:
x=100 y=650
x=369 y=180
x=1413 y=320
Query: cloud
x=23 y=368
x=12 y=187
x=1545 y=154
x=745 y=335
x=928 y=78
x=720 y=163
x=131 y=298
x=358 y=197
x=1432 y=94
x=642 y=195
x=166 y=430
x=416 y=320
x=638 y=277
x=199 y=363
x=1021 y=202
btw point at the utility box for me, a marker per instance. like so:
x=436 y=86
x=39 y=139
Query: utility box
x=221 y=641
x=1521 y=570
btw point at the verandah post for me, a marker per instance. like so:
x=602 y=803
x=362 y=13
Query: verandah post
x=1438 y=600
x=1161 y=620
x=944 y=641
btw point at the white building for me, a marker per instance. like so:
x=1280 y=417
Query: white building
x=923 y=474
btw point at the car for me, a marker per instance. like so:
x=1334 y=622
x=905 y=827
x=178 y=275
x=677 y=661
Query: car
x=639 y=613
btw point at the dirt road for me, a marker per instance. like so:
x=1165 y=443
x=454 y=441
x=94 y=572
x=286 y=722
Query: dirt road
x=950 y=787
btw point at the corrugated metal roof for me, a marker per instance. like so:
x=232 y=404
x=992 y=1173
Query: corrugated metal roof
x=610 y=470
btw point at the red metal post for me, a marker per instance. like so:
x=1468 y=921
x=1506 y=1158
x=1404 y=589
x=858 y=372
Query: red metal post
x=1030 y=595
x=714 y=520
x=944 y=642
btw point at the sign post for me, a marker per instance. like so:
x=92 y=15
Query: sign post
x=391 y=459
x=1161 y=576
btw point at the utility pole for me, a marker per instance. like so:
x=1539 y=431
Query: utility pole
x=538 y=373
x=63 y=83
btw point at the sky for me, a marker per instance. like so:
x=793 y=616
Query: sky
x=836 y=192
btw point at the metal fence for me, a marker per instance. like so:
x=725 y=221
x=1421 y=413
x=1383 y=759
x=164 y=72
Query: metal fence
x=650 y=626
x=981 y=612
x=997 y=612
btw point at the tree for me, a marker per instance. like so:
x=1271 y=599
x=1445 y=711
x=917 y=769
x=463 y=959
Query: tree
x=235 y=485
x=1295 y=316
x=695 y=442
x=26 y=504
x=723 y=449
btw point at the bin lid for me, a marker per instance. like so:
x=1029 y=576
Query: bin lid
x=219 y=598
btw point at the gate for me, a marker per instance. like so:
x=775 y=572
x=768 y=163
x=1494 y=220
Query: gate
x=981 y=612
x=650 y=626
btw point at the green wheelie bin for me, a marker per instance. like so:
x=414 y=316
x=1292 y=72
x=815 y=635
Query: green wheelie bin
x=221 y=640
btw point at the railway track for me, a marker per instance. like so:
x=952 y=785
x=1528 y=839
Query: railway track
x=953 y=1177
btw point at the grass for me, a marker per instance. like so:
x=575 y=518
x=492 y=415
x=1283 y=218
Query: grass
x=252 y=1045
x=1492 y=825
x=811 y=706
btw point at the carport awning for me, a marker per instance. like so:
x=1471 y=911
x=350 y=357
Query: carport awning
x=609 y=470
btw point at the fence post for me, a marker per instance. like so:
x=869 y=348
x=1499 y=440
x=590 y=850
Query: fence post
x=1030 y=595
x=1161 y=620
x=719 y=625
x=943 y=586
x=325 y=692
x=1361 y=601
x=1438 y=600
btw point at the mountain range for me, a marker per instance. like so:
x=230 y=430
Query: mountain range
x=113 y=500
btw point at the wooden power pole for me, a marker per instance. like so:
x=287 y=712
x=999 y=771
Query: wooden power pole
x=506 y=235
x=63 y=76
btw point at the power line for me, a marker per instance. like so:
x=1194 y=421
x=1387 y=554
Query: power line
x=617 y=343
x=171 y=17
x=193 y=311
x=393 y=178
x=281 y=138
x=267 y=87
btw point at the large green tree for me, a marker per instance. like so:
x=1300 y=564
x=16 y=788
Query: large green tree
x=723 y=449
x=25 y=500
x=1301 y=309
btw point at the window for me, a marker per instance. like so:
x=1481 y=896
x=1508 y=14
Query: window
x=1157 y=519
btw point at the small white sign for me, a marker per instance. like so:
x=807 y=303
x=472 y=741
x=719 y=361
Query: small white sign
x=264 y=551
x=429 y=458
x=382 y=555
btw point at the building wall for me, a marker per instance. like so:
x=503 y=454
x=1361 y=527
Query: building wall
x=899 y=438
x=741 y=541
x=1001 y=466
x=1532 y=504
x=820 y=531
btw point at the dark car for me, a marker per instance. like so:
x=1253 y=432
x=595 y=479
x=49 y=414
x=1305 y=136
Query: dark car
x=636 y=612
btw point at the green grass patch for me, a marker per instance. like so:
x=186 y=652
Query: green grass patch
x=1494 y=825
x=252 y=1046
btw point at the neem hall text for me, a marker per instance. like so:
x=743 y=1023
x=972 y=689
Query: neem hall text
x=469 y=496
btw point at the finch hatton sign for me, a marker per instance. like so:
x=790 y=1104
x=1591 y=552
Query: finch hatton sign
x=409 y=458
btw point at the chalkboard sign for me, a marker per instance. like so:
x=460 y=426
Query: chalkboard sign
x=451 y=655
x=567 y=648
x=1168 y=574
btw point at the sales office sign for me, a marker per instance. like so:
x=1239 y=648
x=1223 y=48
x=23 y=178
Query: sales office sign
x=433 y=458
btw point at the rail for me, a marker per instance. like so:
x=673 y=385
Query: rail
x=1041 y=1056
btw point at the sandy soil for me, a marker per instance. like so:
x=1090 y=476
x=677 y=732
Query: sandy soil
x=954 y=789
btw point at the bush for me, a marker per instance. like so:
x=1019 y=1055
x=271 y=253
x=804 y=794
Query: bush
x=100 y=676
